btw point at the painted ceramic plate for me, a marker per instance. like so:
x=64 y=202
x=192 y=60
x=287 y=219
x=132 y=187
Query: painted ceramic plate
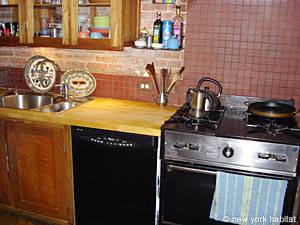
x=81 y=82
x=40 y=74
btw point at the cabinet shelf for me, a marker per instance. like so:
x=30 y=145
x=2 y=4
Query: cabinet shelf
x=47 y=5
x=9 y=41
x=95 y=5
x=9 y=5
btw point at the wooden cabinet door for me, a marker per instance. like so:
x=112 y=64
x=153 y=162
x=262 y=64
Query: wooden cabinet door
x=38 y=168
x=4 y=168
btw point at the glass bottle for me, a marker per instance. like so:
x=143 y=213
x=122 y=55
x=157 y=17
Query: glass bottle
x=157 y=29
x=177 y=25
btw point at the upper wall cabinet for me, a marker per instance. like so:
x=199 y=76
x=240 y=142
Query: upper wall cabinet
x=11 y=33
x=47 y=23
x=83 y=24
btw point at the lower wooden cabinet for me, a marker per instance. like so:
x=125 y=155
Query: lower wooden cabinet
x=39 y=168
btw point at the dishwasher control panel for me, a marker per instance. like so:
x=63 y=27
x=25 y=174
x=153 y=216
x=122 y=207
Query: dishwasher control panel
x=112 y=141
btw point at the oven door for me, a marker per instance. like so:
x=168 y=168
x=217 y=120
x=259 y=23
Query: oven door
x=187 y=194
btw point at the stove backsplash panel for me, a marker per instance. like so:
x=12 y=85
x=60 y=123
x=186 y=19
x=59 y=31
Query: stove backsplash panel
x=252 y=47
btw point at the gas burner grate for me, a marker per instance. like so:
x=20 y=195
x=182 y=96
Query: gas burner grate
x=210 y=120
x=256 y=124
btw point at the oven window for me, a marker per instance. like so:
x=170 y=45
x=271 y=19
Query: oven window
x=187 y=196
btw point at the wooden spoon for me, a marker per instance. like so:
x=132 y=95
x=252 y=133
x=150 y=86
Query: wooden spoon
x=164 y=74
x=151 y=70
x=175 y=77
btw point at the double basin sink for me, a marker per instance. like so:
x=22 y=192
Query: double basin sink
x=42 y=103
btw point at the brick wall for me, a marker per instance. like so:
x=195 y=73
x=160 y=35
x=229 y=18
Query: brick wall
x=251 y=46
x=108 y=66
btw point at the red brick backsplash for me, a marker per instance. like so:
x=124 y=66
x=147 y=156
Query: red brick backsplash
x=252 y=47
x=108 y=86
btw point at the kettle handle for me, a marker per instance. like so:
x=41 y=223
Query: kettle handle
x=212 y=81
x=210 y=99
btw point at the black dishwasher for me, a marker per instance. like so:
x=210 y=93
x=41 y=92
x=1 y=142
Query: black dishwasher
x=114 y=177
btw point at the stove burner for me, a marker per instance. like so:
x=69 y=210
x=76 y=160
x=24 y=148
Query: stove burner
x=210 y=120
x=271 y=126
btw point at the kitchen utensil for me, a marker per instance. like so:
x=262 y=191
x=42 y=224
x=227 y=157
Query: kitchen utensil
x=151 y=70
x=164 y=74
x=175 y=77
x=272 y=109
x=81 y=82
x=40 y=74
x=215 y=97
x=198 y=103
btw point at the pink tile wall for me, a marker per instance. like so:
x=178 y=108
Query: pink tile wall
x=251 y=46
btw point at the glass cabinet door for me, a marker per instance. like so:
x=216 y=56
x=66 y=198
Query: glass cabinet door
x=9 y=23
x=93 y=26
x=48 y=23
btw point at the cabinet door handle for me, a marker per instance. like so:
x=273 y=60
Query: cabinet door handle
x=6 y=158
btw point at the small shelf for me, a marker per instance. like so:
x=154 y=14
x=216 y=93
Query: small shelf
x=95 y=5
x=162 y=49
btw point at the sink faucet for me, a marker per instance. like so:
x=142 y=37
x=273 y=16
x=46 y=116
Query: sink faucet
x=64 y=90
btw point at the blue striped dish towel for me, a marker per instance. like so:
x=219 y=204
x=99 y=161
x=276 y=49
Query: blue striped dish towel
x=247 y=200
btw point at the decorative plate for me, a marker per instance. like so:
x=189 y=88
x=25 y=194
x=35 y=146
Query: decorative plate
x=40 y=74
x=81 y=82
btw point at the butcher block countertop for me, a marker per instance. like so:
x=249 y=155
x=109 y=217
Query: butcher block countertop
x=103 y=113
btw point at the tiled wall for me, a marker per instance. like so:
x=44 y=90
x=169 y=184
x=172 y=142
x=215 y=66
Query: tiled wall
x=251 y=46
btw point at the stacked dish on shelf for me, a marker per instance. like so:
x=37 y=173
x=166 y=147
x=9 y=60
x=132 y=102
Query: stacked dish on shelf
x=101 y=27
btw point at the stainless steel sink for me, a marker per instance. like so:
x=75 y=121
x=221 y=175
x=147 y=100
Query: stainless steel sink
x=42 y=103
x=26 y=101
x=59 y=107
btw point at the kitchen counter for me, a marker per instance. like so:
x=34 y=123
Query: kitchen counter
x=103 y=113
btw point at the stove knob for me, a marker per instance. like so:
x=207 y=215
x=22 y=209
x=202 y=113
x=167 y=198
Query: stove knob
x=228 y=152
x=193 y=147
x=178 y=145
x=264 y=155
x=281 y=158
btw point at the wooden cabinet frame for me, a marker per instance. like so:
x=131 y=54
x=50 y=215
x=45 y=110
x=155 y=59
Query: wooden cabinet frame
x=125 y=24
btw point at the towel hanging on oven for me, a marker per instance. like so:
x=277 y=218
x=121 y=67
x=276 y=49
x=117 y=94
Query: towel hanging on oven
x=245 y=200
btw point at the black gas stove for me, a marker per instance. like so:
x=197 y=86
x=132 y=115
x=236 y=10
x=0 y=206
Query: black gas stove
x=228 y=140
x=223 y=138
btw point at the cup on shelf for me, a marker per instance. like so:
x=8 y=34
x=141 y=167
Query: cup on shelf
x=173 y=43
x=83 y=34
x=44 y=23
x=96 y=35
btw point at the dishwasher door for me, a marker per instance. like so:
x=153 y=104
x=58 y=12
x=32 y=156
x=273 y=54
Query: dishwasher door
x=114 y=177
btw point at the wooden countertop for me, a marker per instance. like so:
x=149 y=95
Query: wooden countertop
x=103 y=113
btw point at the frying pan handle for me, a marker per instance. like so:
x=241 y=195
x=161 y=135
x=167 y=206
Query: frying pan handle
x=246 y=103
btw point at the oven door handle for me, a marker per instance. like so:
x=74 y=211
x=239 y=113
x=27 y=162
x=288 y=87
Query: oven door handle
x=191 y=170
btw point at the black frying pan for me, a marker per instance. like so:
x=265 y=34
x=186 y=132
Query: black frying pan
x=272 y=109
